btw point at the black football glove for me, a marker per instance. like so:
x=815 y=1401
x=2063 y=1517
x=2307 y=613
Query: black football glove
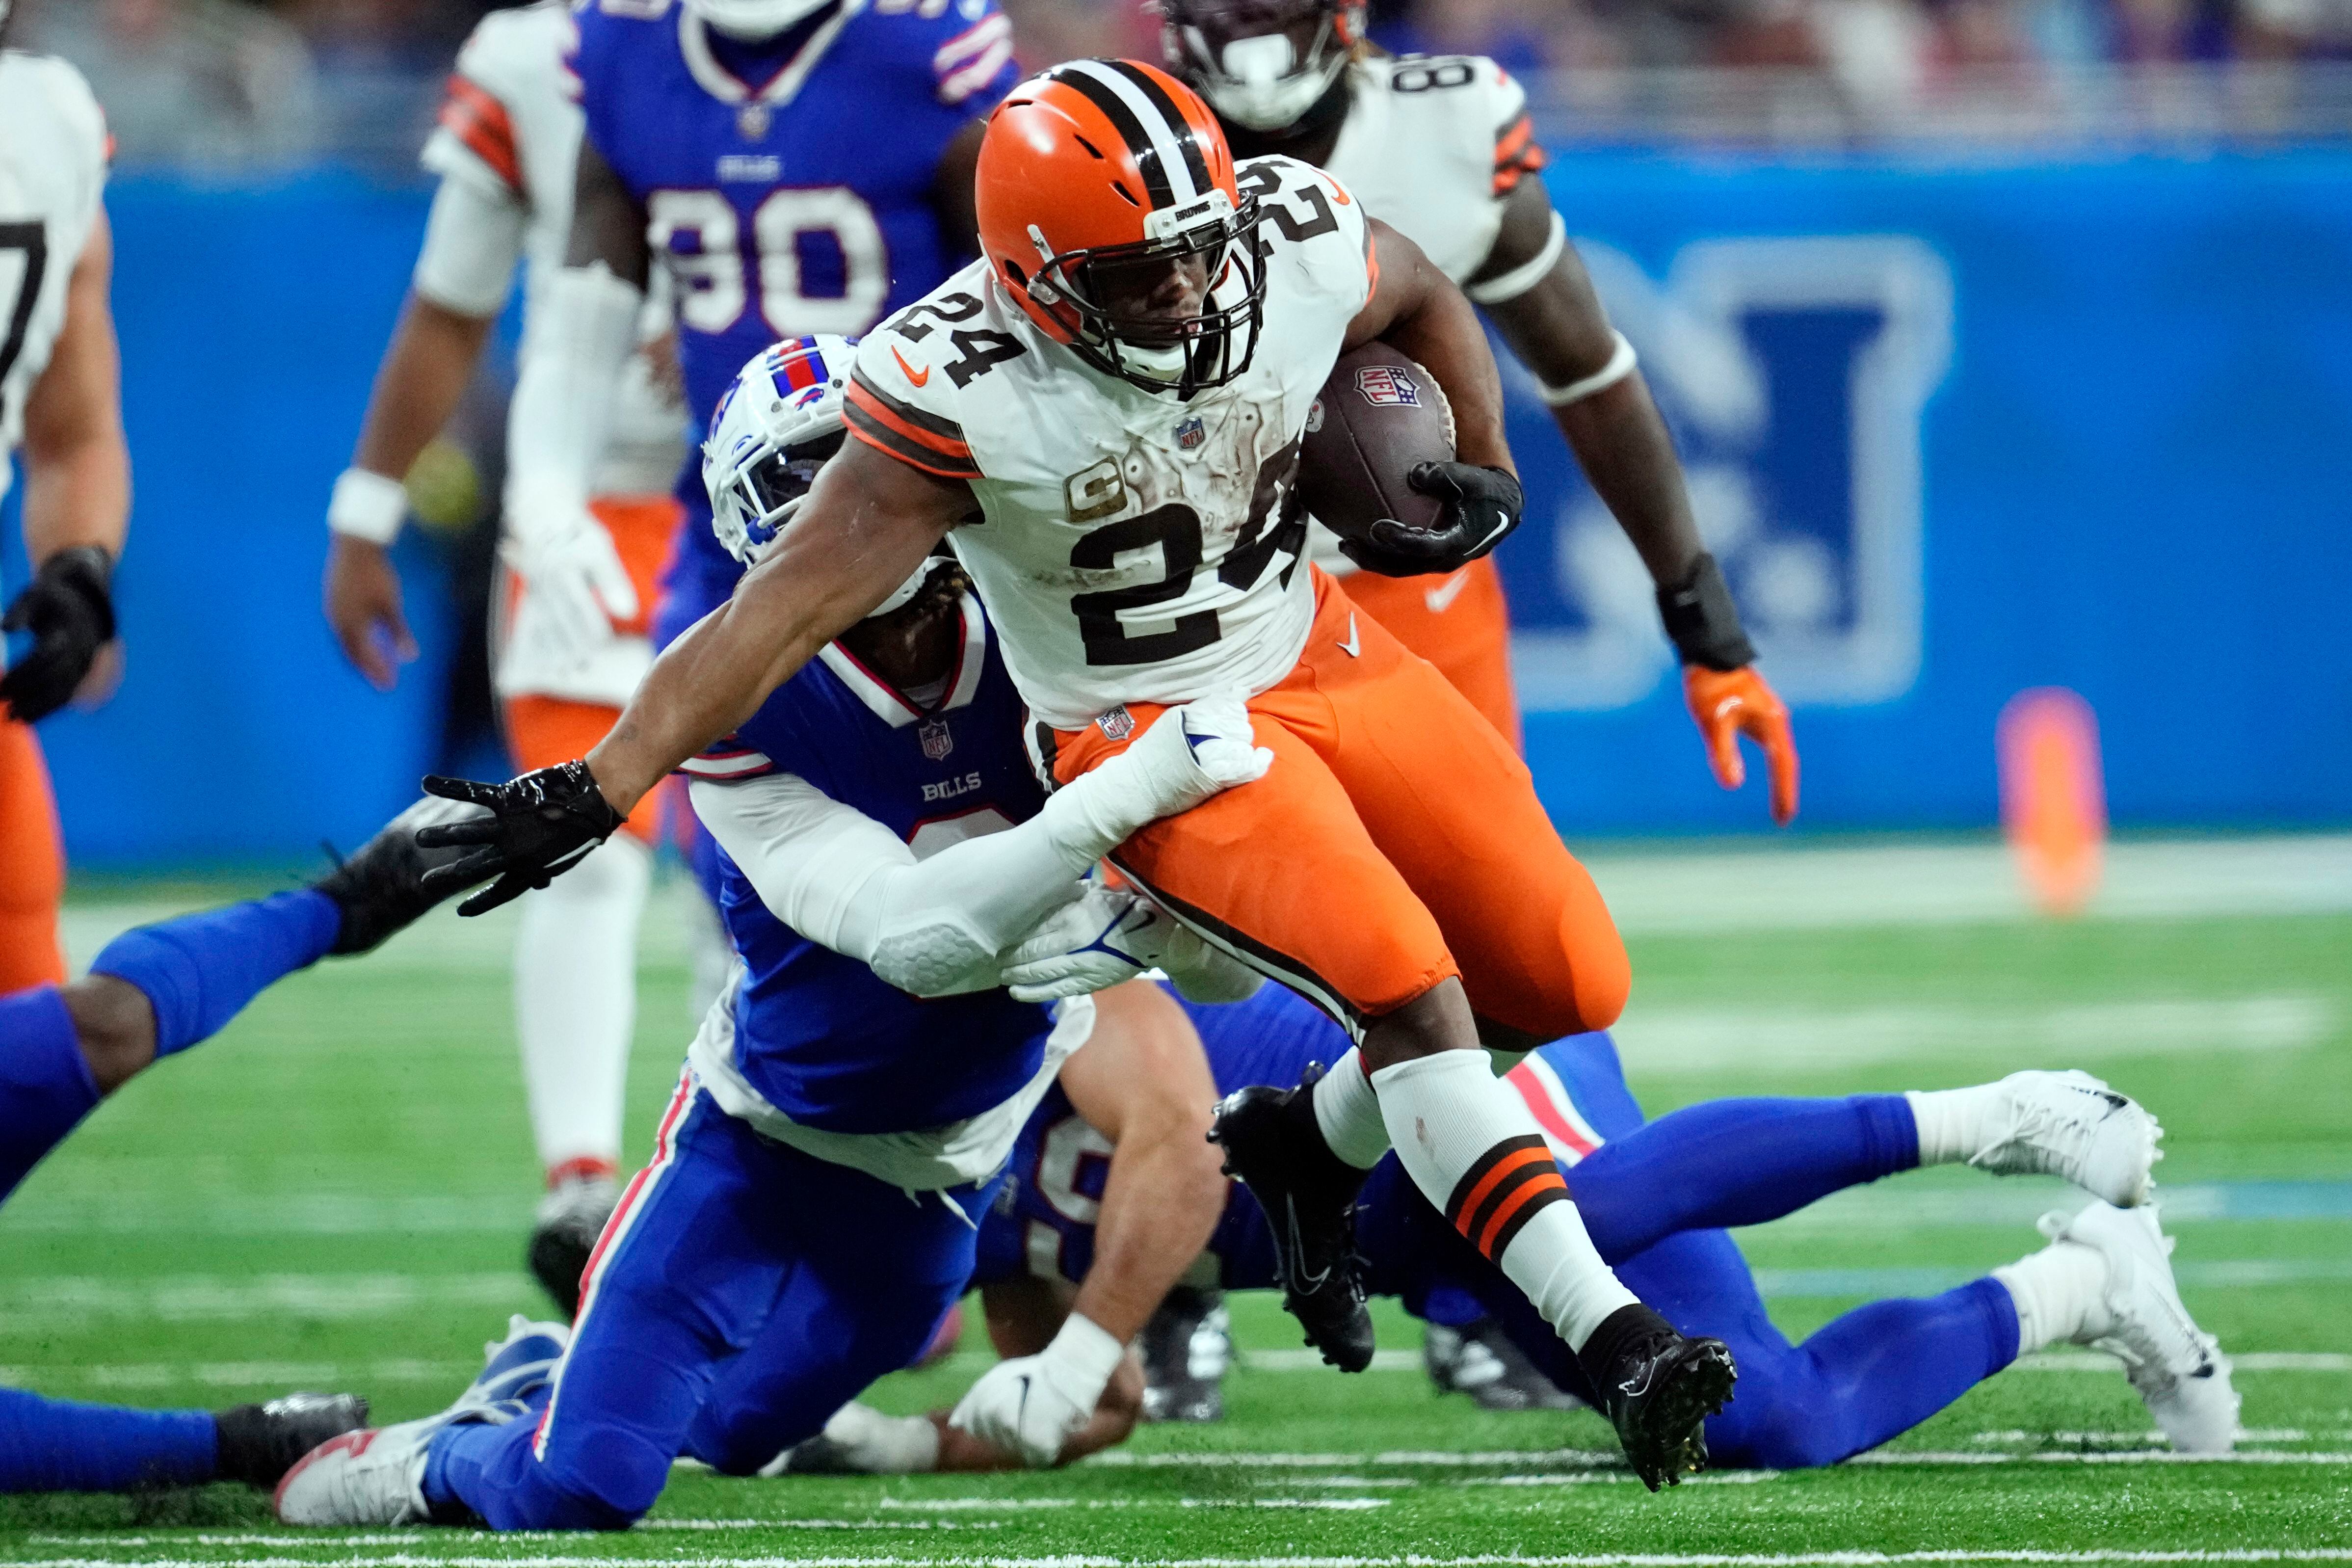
x=1481 y=508
x=70 y=613
x=539 y=827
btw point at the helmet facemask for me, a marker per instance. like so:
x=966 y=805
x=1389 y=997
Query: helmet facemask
x=1261 y=63
x=1207 y=243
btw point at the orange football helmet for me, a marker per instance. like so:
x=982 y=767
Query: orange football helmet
x=1102 y=178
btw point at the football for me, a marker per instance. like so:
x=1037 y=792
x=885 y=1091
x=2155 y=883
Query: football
x=1378 y=415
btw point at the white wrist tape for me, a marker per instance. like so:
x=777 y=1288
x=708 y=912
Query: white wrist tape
x=367 y=506
x=1510 y=285
x=1081 y=1359
x=1621 y=365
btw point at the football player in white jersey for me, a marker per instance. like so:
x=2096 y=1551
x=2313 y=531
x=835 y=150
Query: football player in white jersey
x=1106 y=410
x=571 y=613
x=1442 y=148
x=60 y=403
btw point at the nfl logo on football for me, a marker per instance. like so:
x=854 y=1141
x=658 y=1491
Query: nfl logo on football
x=1191 y=434
x=937 y=739
x=1385 y=386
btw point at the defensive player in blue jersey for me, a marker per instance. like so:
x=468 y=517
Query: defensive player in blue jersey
x=809 y=1213
x=796 y=166
x=1654 y=1195
x=153 y=993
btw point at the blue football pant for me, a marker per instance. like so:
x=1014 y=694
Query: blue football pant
x=1655 y=1199
x=741 y=1293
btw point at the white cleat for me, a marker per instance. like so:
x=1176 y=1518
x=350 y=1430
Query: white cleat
x=377 y=1476
x=2070 y=1124
x=2176 y=1369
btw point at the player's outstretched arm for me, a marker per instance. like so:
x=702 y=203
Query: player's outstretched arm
x=77 y=495
x=1145 y=1085
x=868 y=522
x=1536 y=290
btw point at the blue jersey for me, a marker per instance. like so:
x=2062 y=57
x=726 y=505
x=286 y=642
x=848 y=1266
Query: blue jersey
x=1043 y=1223
x=800 y=205
x=820 y=1035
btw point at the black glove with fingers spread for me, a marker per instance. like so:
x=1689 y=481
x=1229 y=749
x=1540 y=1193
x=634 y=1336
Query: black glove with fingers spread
x=1480 y=508
x=539 y=827
x=69 y=610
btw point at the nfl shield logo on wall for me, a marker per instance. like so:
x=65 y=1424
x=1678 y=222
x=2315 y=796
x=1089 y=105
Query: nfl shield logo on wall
x=1385 y=386
x=1191 y=434
x=937 y=741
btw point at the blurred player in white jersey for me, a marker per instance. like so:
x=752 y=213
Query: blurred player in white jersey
x=60 y=401
x=1442 y=148
x=571 y=614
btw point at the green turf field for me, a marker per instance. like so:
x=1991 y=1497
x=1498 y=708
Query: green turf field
x=335 y=1194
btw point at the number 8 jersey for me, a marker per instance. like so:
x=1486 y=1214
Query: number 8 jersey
x=1133 y=546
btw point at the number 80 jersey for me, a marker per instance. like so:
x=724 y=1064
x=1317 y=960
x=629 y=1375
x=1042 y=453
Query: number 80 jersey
x=801 y=205
x=1133 y=546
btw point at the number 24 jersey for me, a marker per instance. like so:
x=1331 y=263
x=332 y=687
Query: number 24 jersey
x=1134 y=546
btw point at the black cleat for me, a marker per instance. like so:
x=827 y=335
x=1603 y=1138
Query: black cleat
x=1187 y=1346
x=380 y=889
x=1483 y=1362
x=260 y=1443
x=563 y=1237
x=1273 y=1145
x=1658 y=1389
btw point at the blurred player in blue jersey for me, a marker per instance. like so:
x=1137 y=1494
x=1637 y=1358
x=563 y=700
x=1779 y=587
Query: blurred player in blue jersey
x=809 y=1211
x=1656 y=1195
x=795 y=167
x=152 y=993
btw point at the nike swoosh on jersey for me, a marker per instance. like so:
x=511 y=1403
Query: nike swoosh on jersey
x=1440 y=598
x=1354 y=647
x=919 y=377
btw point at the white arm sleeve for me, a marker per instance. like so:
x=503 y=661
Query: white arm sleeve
x=473 y=242
x=573 y=356
x=931 y=927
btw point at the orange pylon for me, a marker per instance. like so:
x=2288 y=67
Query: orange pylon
x=2054 y=796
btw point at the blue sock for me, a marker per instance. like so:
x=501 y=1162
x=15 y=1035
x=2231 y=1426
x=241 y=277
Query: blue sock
x=201 y=970
x=1729 y=1162
x=45 y=1084
x=60 y=1445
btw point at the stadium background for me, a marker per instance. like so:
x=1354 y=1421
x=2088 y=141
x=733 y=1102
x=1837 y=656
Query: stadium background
x=2043 y=376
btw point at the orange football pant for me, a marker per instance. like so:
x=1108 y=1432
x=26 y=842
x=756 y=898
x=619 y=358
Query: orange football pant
x=545 y=730
x=1397 y=841
x=32 y=865
x=1460 y=624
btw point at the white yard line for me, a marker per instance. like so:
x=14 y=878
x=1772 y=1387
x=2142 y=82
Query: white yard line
x=1830 y=1559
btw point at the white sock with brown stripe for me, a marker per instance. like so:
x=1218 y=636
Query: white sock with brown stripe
x=1471 y=1146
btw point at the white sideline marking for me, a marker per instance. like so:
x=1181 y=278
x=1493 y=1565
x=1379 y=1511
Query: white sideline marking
x=1597 y=1560
x=278 y=1375
x=1743 y=888
x=1694 y=1040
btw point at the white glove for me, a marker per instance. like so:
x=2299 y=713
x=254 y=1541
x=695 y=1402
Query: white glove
x=575 y=587
x=1192 y=752
x=1033 y=1405
x=1109 y=936
x=1103 y=939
